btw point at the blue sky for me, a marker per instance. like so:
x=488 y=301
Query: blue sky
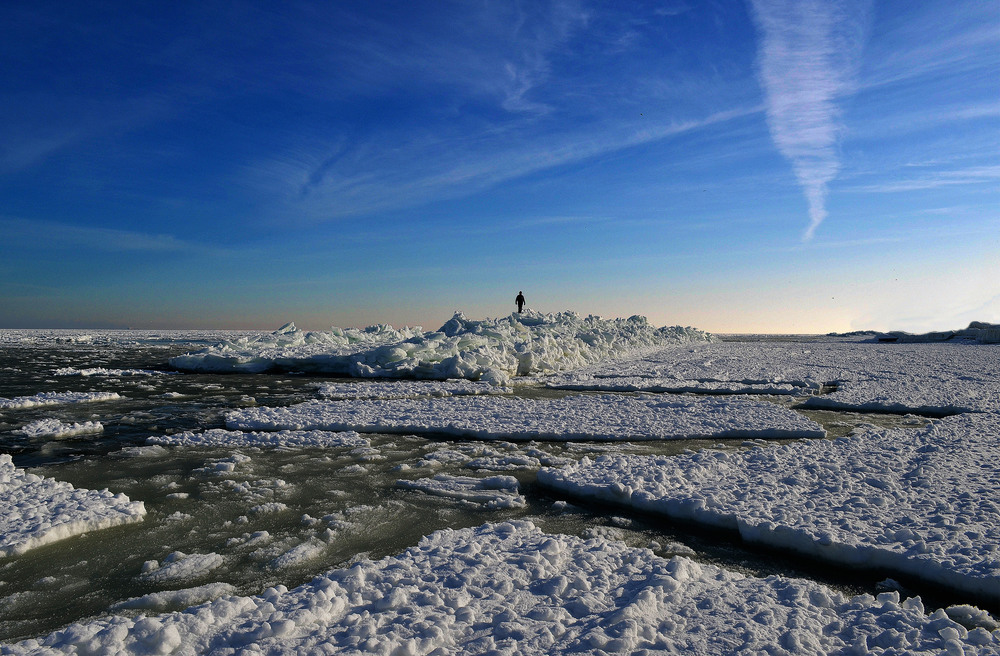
x=761 y=166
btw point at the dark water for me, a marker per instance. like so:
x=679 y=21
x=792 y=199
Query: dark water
x=252 y=506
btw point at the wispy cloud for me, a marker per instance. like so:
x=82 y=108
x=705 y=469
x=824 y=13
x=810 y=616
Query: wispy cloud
x=51 y=234
x=968 y=176
x=808 y=57
x=384 y=175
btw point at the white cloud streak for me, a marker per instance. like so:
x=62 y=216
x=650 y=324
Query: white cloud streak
x=20 y=233
x=808 y=56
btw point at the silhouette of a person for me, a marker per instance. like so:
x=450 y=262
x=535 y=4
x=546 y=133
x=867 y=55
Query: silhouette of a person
x=520 y=301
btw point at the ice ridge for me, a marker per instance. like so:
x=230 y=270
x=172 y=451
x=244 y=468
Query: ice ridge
x=492 y=350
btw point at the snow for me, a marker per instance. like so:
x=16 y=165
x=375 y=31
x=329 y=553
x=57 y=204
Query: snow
x=510 y=588
x=578 y=417
x=492 y=350
x=934 y=379
x=406 y=389
x=35 y=511
x=494 y=492
x=56 y=398
x=218 y=437
x=55 y=428
x=923 y=502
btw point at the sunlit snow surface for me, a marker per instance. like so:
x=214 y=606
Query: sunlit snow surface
x=925 y=502
x=929 y=378
x=590 y=417
x=490 y=349
x=35 y=511
x=512 y=589
x=229 y=439
x=408 y=389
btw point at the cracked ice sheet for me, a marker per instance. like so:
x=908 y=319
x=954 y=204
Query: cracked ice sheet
x=924 y=502
x=673 y=386
x=293 y=439
x=509 y=588
x=35 y=511
x=928 y=378
x=407 y=389
x=584 y=417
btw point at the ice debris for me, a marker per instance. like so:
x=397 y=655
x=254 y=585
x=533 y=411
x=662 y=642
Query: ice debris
x=56 y=398
x=55 y=428
x=493 y=492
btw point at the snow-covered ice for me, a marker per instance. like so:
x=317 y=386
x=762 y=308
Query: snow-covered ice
x=56 y=398
x=512 y=589
x=35 y=511
x=578 y=417
x=925 y=502
x=494 y=492
x=406 y=389
x=492 y=350
x=218 y=437
x=674 y=386
x=55 y=428
x=934 y=379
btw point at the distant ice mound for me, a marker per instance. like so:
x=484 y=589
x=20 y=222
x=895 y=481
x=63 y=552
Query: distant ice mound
x=492 y=350
x=978 y=331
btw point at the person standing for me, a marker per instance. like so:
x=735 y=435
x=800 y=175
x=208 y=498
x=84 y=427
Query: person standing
x=520 y=301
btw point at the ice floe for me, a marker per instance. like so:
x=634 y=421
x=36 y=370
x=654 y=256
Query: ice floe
x=56 y=398
x=102 y=372
x=35 y=511
x=218 y=437
x=924 y=502
x=510 y=588
x=56 y=428
x=492 y=350
x=184 y=598
x=406 y=389
x=493 y=492
x=578 y=417
x=850 y=374
x=179 y=566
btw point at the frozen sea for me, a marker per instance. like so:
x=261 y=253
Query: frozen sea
x=537 y=484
